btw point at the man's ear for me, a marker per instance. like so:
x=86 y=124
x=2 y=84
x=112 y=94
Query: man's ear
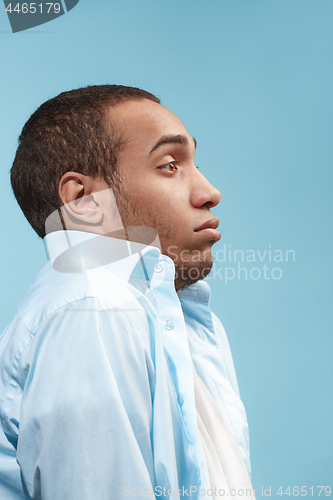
x=78 y=195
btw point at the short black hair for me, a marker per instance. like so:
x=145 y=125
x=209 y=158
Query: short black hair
x=71 y=132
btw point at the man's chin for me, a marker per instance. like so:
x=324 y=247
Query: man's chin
x=188 y=273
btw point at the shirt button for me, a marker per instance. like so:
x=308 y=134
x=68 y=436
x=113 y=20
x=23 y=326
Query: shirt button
x=158 y=268
x=180 y=400
x=168 y=325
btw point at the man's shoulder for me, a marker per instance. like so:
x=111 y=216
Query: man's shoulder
x=60 y=309
x=53 y=291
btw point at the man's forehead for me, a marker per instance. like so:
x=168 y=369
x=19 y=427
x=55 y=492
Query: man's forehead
x=150 y=124
x=145 y=114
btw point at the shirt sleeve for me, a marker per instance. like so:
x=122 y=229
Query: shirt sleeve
x=85 y=427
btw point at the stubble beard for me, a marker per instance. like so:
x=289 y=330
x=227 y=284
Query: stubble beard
x=187 y=273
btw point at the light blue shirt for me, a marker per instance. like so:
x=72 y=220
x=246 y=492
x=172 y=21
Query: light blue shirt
x=96 y=381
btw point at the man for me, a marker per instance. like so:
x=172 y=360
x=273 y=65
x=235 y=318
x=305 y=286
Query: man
x=116 y=379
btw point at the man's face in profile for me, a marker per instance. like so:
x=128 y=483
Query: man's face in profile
x=161 y=187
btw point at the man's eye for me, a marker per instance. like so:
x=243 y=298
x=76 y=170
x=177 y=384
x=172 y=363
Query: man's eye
x=172 y=166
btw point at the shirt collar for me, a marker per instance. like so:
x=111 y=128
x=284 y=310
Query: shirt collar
x=73 y=251
x=199 y=292
x=77 y=252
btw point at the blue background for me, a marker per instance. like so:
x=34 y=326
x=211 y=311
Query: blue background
x=252 y=80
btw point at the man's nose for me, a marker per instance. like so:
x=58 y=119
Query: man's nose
x=204 y=193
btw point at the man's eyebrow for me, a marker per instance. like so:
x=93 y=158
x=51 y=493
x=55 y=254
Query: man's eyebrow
x=172 y=139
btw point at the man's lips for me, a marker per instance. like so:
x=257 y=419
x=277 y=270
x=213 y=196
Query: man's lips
x=208 y=229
